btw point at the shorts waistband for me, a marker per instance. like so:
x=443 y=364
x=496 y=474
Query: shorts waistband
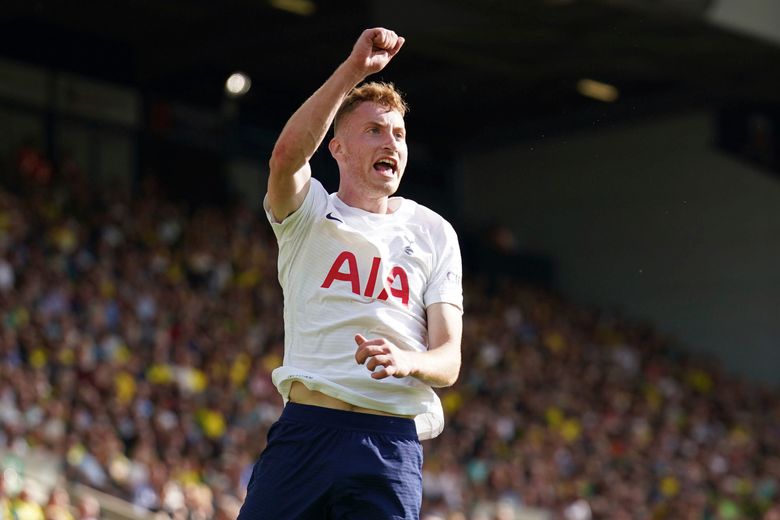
x=349 y=420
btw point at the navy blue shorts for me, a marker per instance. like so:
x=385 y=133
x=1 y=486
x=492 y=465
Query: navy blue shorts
x=330 y=464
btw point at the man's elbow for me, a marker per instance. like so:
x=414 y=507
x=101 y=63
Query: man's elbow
x=281 y=159
x=445 y=384
x=449 y=378
x=287 y=158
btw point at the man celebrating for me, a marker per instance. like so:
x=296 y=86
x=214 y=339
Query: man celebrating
x=372 y=309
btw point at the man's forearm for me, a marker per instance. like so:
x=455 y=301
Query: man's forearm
x=437 y=367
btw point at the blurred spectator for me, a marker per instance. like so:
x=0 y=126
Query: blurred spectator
x=32 y=165
x=88 y=508
x=58 y=507
x=24 y=507
x=5 y=501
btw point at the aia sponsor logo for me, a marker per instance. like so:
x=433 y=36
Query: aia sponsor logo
x=345 y=269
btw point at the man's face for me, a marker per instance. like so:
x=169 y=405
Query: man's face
x=370 y=148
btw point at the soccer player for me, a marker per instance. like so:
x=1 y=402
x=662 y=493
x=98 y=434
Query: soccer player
x=372 y=309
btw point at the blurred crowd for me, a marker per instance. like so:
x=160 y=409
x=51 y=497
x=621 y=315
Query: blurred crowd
x=138 y=337
x=588 y=415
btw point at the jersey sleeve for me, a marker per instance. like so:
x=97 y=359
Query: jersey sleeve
x=293 y=231
x=295 y=225
x=445 y=283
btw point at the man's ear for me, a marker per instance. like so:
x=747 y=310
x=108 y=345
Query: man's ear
x=335 y=147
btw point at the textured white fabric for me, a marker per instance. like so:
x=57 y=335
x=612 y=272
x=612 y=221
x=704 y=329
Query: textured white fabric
x=334 y=265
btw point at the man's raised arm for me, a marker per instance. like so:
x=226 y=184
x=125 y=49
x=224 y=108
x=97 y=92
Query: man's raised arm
x=290 y=173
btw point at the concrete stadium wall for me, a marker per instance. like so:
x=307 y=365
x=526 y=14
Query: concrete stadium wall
x=653 y=219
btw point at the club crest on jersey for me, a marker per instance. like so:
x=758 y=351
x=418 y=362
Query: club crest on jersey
x=350 y=274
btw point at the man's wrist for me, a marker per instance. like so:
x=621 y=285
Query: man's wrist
x=352 y=73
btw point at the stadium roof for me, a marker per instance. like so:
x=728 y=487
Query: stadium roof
x=473 y=70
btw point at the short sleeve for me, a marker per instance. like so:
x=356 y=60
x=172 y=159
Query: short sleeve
x=293 y=231
x=445 y=284
x=296 y=223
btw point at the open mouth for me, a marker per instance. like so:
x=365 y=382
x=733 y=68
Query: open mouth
x=386 y=166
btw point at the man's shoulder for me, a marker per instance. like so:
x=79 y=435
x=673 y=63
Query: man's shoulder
x=424 y=215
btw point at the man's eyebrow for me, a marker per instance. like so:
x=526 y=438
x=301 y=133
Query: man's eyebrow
x=382 y=124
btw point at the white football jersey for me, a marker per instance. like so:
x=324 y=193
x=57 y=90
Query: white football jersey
x=346 y=271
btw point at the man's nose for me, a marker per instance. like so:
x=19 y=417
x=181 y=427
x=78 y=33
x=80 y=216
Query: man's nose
x=389 y=142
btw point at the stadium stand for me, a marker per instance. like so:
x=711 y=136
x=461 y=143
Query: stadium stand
x=137 y=342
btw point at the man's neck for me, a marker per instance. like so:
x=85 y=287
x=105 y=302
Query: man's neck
x=380 y=205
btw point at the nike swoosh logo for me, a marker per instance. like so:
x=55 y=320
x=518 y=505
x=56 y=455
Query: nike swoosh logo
x=331 y=217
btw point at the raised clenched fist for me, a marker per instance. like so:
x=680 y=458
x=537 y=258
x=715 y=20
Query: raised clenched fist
x=374 y=49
